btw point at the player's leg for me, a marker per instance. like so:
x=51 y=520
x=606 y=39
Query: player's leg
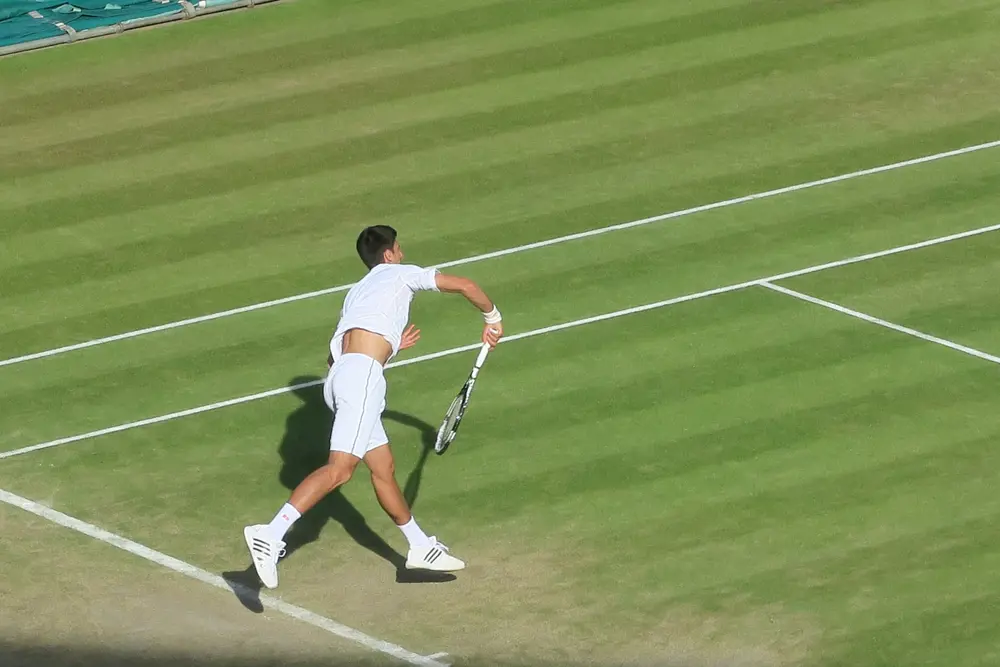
x=383 y=470
x=266 y=541
x=321 y=482
x=425 y=552
x=358 y=389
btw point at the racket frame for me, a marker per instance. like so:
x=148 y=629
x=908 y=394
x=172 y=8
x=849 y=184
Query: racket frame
x=444 y=439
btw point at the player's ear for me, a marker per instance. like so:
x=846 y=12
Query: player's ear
x=393 y=254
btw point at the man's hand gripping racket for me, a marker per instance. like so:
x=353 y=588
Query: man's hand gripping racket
x=453 y=418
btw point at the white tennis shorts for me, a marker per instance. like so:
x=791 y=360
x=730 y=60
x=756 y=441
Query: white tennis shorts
x=355 y=391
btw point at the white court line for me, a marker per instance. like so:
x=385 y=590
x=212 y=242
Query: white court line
x=509 y=339
x=882 y=323
x=216 y=406
x=510 y=251
x=188 y=570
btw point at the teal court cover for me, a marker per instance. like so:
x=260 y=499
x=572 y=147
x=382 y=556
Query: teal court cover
x=28 y=24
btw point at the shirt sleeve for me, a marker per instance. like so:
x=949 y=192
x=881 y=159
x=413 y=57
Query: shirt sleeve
x=420 y=279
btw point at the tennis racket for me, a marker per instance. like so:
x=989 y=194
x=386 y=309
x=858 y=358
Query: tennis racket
x=453 y=418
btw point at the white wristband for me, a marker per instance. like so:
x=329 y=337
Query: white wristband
x=492 y=317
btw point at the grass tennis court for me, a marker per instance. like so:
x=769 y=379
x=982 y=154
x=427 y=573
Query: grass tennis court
x=738 y=477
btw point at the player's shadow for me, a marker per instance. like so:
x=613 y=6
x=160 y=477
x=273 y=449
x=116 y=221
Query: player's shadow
x=303 y=449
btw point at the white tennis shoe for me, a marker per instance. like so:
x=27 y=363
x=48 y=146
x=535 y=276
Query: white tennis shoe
x=265 y=553
x=433 y=556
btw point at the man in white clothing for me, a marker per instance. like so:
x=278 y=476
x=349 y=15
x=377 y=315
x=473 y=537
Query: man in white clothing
x=369 y=334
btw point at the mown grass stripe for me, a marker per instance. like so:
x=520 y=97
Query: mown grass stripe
x=717 y=74
x=217 y=119
x=461 y=20
x=153 y=291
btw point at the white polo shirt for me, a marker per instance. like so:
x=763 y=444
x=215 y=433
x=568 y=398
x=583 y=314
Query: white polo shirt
x=380 y=303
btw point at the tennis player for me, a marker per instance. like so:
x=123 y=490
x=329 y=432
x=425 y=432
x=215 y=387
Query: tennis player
x=369 y=334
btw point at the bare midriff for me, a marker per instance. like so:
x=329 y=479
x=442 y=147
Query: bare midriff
x=362 y=341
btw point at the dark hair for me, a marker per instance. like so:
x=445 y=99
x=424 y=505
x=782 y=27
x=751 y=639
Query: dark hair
x=373 y=242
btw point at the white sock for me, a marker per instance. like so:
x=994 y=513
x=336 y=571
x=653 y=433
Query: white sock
x=282 y=521
x=414 y=535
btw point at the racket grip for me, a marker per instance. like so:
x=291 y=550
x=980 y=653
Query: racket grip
x=482 y=355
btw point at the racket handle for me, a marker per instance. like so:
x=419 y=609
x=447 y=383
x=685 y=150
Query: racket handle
x=482 y=355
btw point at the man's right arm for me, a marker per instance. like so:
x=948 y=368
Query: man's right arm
x=467 y=288
x=477 y=297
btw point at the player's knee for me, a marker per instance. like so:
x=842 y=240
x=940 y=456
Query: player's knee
x=337 y=475
x=385 y=471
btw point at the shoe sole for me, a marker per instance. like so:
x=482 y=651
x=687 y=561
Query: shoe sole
x=410 y=566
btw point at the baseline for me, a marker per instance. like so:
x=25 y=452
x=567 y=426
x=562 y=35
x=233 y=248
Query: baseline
x=188 y=570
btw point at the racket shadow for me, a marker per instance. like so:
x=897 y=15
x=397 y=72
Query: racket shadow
x=304 y=448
